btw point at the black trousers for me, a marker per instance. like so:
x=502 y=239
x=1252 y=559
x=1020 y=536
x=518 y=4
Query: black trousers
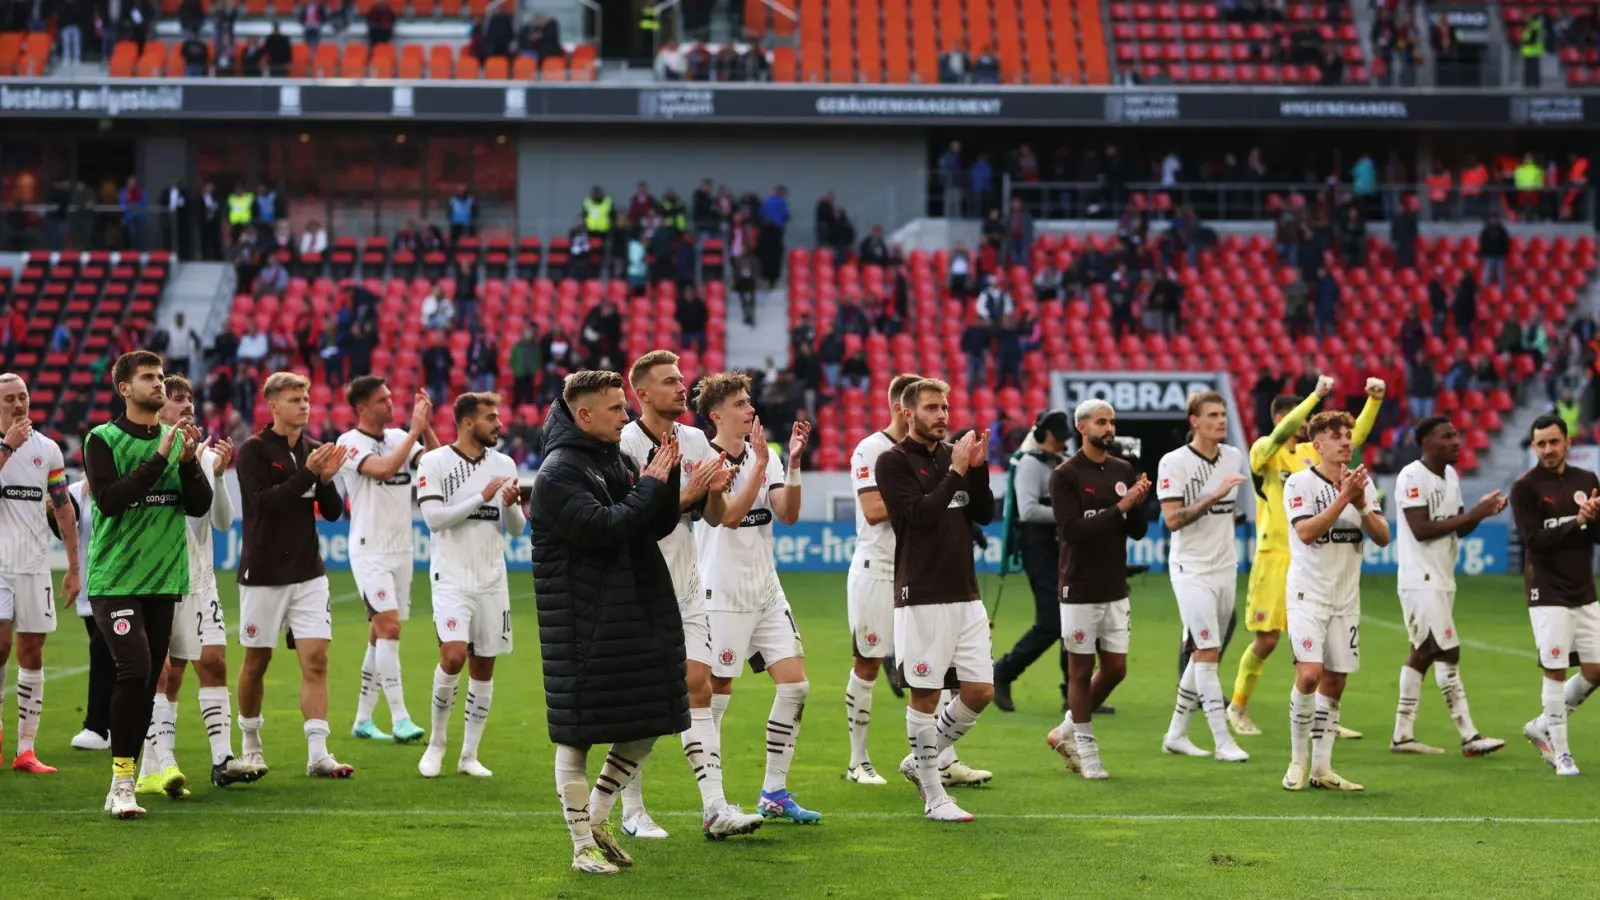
x=1039 y=562
x=102 y=673
x=137 y=630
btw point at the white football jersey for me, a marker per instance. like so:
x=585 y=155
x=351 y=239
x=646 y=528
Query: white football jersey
x=202 y=570
x=1427 y=565
x=874 y=543
x=470 y=556
x=1325 y=575
x=380 y=511
x=1206 y=544
x=736 y=564
x=25 y=480
x=678 y=547
x=80 y=492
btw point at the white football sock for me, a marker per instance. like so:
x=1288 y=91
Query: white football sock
x=388 y=665
x=1448 y=677
x=369 y=686
x=719 y=706
x=955 y=720
x=250 y=729
x=1188 y=699
x=621 y=768
x=1576 y=690
x=444 y=700
x=1324 y=731
x=1088 y=747
x=30 y=704
x=316 y=739
x=858 y=709
x=633 y=797
x=2 y=683
x=150 y=756
x=1209 y=684
x=702 y=746
x=783 y=730
x=1551 y=693
x=166 y=714
x=922 y=729
x=1301 y=709
x=479 y=696
x=214 y=714
x=1405 y=715
x=572 y=790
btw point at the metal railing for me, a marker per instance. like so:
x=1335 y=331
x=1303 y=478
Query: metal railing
x=96 y=226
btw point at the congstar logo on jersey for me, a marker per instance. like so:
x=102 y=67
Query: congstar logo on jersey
x=164 y=498
x=19 y=492
x=756 y=517
x=486 y=514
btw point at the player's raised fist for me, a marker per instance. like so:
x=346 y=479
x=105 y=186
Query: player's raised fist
x=1376 y=388
x=1324 y=385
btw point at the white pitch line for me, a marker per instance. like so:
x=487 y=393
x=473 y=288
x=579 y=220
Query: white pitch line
x=1465 y=642
x=1178 y=818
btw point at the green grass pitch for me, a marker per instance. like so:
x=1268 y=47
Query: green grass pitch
x=1162 y=826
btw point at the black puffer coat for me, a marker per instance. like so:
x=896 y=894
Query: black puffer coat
x=610 y=632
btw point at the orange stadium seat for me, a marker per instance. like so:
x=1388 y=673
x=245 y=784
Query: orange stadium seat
x=283 y=8
x=896 y=43
x=154 y=60
x=325 y=63
x=10 y=51
x=869 y=45
x=450 y=9
x=951 y=31
x=812 y=64
x=441 y=61
x=496 y=68
x=1096 y=62
x=583 y=61
x=382 y=62
x=755 y=20
x=467 y=68
x=300 y=61
x=841 y=49
x=477 y=9
x=1065 y=35
x=1036 y=41
x=924 y=42
x=1008 y=40
x=411 y=61
x=124 y=60
x=423 y=9
x=980 y=34
x=783 y=65
x=525 y=69
x=176 y=67
x=354 y=62
x=553 y=68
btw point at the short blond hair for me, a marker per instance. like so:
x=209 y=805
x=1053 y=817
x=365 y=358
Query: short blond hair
x=717 y=389
x=278 y=382
x=589 y=381
x=914 y=391
x=642 y=366
x=898 y=385
x=1328 y=421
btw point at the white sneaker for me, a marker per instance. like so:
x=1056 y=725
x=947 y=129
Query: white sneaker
x=946 y=810
x=1478 y=745
x=642 y=826
x=908 y=770
x=471 y=766
x=728 y=821
x=864 y=773
x=1565 y=765
x=432 y=761
x=959 y=773
x=328 y=767
x=1180 y=745
x=1347 y=734
x=88 y=740
x=592 y=861
x=1412 y=745
x=1090 y=768
x=1540 y=738
x=1241 y=723
x=1329 y=780
x=1066 y=745
x=120 y=803
x=1232 y=753
x=1295 y=778
x=255 y=762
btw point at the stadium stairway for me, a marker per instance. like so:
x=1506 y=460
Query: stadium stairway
x=750 y=348
x=203 y=293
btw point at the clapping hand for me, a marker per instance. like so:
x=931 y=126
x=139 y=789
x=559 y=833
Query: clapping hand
x=1353 y=487
x=978 y=453
x=421 y=413
x=1135 y=494
x=667 y=457
x=797 y=442
x=1589 y=509
x=1229 y=482
x=511 y=494
x=1489 y=504
x=191 y=440
x=493 y=487
x=325 y=460
x=224 y=455
x=758 y=443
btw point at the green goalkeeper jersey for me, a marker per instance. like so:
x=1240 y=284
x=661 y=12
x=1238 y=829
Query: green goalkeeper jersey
x=142 y=550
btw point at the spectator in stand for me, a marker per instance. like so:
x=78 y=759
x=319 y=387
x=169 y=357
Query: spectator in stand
x=671 y=63
x=830 y=351
x=547 y=38
x=1403 y=232
x=380 y=30
x=823 y=218
x=1413 y=335
x=975 y=342
x=408 y=239
x=1466 y=304
x=954 y=67
x=465 y=276
x=638 y=271
x=277 y=52
x=135 y=22
x=500 y=32
x=1124 y=319
x=135 y=212
x=602 y=337
x=1364 y=185
x=960 y=274
x=1331 y=66
x=746 y=269
x=1438 y=300
x=312 y=15
x=463 y=215
x=804 y=332
x=1353 y=236
x=641 y=204
x=436 y=366
x=1494 y=245
x=273 y=279
x=1019 y=233
x=1326 y=303
x=1009 y=354
x=1288 y=229
x=852 y=318
x=314 y=239
x=692 y=315
x=688 y=261
x=1167 y=298
x=196 y=55
x=438 y=311
x=856 y=374
x=527 y=359
x=986 y=68
x=807 y=371
x=1047 y=283
x=703 y=210
x=774 y=221
x=952 y=180
x=254 y=346
x=1535 y=341
x=1269 y=384
x=994 y=304
x=843 y=237
x=483 y=361
x=980 y=184
x=246 y=257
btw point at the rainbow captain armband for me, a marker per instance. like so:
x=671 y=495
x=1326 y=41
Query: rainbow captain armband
x=56 y=479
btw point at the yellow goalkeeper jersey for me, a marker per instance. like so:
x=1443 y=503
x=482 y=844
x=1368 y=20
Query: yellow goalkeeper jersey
x=1272 y=462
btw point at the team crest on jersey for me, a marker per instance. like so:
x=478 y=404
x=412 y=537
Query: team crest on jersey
x=1449 y=632
x=1205 y=634
x=1261 y=616
x=1122 y=489
x=872 y=639
x=38 y=463
x=1555 y=652
x=121 y=627
x=1578 y=497
x=250 y=630
x=726 y=657
x=1078 y=637
x=382 y=594
x=1306 y=643
x=449 y=624
x=921 y=670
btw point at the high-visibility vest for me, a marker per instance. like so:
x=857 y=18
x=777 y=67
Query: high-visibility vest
x=1473 y=180
x=1529 y=177
x=597 y=215
x=647 y=19
x=1533 y=39
x=241 y=209
x=1439 y=187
